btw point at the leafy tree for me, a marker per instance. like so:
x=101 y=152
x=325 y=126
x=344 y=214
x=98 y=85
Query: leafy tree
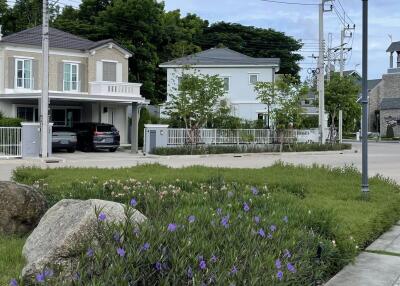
x=255 y=42
x=341 y=93
x=195 y=101
x=285 y=95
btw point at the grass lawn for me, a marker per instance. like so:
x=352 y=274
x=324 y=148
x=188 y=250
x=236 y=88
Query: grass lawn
x=11 y=261
x=322 y=201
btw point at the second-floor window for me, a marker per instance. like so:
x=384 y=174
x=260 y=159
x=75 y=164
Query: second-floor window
x=71 y=71
x=226 y=83
x=109 y=71
x=24 y=73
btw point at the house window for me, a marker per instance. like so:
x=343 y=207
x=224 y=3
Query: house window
x=71 y=77
x=24 y=73
x=226 y=83
x=253 y=78
x=28 y=114
x=109 y=71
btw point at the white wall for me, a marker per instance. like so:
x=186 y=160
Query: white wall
x=2 y=72
x=241 y=93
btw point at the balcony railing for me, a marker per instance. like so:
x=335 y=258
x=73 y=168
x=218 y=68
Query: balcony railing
x=115 y=89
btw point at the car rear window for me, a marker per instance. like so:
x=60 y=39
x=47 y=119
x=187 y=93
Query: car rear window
x=105 y=128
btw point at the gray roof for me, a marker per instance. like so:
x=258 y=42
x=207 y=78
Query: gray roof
x=58 y=39
x=394 y=47
x=390 y=103
x=372 y=83
x=221 y=57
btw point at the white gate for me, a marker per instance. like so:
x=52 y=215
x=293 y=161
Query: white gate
x=10 y=142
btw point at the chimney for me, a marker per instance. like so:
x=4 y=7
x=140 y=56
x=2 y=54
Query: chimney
x=1 y=35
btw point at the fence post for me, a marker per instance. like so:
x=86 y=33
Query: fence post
x=237 y=137
x=215 y=136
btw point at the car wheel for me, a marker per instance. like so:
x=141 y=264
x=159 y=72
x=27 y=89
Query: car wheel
x=113 y=149
x=87 y=148
x=71 y=150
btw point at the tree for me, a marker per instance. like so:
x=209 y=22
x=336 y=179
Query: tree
x=255 y=42
x=195 y=101
x=284 y=95
x=341 y=93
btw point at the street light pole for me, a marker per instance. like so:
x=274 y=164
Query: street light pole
x=364 y=101
x=44 y=128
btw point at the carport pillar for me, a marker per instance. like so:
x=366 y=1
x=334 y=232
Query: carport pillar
x=135 y=128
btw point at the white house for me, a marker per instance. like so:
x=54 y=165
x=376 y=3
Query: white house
x=239 y=72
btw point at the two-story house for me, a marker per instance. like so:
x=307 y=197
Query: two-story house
x=239 y=72
x=88 y=81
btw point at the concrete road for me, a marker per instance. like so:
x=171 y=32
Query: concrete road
x=384 y=158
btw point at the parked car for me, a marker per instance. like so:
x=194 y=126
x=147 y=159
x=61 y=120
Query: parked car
x=64 y=138
x=97 y=136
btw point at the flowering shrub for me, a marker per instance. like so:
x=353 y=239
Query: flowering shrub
x=211 y=233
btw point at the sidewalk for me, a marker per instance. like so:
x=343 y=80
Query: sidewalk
x=378 y=265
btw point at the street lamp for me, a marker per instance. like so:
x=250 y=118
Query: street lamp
x=364 y=101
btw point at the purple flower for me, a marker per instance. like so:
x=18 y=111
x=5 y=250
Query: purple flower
x=200 y=258
x=191 y=219
x=121 y=252
x=278 y=264
x=13 y=282
x=246 y=207
x=76 y=276
x=117 y=237
x=40 y=277
x=257 y=219
x=219 y=211
x=90 y=252
x=202 y=265
x=158 y=266
x=225 y=221
x=102 y=216
x=230 y=194
x=146 y=246
x=285 y=219
x=269 y=236
x=133 y=202
x=234 y=270
x=189 y=272
x=291 y=268
x=287 y=254
x=254 y=191
x=272 y=228
x=213 y=259
x=279 y=275
x=261 y=232
x=172 y=227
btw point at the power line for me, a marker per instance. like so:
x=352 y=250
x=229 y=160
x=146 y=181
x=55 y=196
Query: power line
x=291 y=3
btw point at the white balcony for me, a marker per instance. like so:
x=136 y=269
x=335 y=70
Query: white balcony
x=117 y=89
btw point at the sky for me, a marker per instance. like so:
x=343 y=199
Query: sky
x=301 y=22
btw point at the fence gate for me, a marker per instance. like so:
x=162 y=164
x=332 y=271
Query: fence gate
x=10 y=142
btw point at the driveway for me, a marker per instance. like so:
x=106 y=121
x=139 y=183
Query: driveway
x=384 y=158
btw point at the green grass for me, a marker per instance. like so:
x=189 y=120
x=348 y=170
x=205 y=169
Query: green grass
x=332 y=192
x=11 y=260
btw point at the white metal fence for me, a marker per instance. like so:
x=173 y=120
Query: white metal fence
x=10 y=142
x=177 y=137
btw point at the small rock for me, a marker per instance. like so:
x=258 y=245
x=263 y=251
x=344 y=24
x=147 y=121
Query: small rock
x=21 y=208
x=62 y=228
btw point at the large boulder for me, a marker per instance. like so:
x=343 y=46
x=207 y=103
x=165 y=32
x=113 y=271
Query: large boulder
x=69 y=222
x=21 y=208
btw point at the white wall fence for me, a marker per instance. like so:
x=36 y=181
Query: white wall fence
x=178 y=137
x=10 y=142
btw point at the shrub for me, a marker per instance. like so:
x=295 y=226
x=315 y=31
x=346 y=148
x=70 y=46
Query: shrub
x=10 y=122
x=212 y=234
x=250 y=148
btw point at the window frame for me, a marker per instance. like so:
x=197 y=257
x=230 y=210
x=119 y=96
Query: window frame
x=116 y=69
x=254 y=74
x=229 y=83
x=23 y=61
x=71 y=64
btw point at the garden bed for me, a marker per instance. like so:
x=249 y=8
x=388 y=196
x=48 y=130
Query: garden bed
x=283 y=224
x=250 y=148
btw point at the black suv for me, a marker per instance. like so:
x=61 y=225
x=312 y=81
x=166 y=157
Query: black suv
x=95 y=136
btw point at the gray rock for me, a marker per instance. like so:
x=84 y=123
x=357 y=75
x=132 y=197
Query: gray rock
x=21 y=208
x=63 y=229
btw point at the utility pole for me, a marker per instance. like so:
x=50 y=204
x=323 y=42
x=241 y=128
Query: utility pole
x=321 y=74
x=329 y=57
x=364 y=101
x=343 y=36
x=44 y=110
